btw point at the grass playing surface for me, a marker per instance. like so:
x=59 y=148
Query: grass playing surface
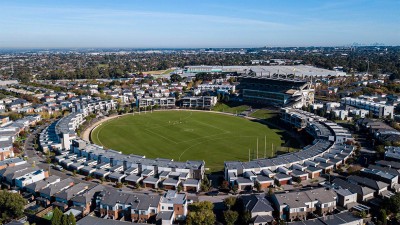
x=187 y=135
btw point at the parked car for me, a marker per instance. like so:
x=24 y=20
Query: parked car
x=59 y=168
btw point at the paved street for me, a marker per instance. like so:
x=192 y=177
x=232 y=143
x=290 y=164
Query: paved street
x=31 y=153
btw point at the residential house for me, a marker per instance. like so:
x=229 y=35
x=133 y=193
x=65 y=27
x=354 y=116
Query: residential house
x=346 y=198
x=67 y=194
x=298 y=205
x=47 y=194
x=87 y=200
x=258 y=205
x=173 y=201
x=33 y=188
x=30 y=177
x=135 y=207
x=343 y=218
x=363 y=193
x=378 y=186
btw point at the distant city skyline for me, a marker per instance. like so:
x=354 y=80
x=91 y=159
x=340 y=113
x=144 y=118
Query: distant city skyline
x=196 y=24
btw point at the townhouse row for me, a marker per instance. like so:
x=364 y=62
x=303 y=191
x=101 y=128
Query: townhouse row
x=136 y=207
x=92 y=160
x=10 y=131
x=327 y=152
x=110 y=203
x=45 y=191
x=61 y=132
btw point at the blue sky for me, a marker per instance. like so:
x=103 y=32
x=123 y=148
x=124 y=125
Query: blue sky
x=205 y=23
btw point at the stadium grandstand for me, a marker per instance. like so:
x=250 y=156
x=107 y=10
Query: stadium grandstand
x=276 y=91
x=300 y=71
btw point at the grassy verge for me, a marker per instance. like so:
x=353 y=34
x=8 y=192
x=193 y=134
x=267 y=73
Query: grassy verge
x=158 y=72
x=222 y=107
x=264 y=114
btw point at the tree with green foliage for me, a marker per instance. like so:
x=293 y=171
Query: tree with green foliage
x=179 y=188
x=177 y=94
x=394 y=203
x=60 y=218
x=230 y=217
x=224 y=185
x=270 y=191
x=257 y=185
x=201 y=213
x=199 y=206
x=235 y=189
x=380 y=149
x=245 y=217
x=11 y=206
x=71 y=219
x=64 y=220
x=176 y=78
x=118 y=185
x=205 y=184
x=382 y=217
x=361 y=214
x=230 y=202
x=57 y=217
x=206 y=217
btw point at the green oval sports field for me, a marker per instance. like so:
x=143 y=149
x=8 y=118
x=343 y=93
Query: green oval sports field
x=187 y=135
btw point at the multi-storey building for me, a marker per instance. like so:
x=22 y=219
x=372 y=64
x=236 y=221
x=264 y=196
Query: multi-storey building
x=205 y=102
x=166 y=102
x=377 y=109
x=276 y=91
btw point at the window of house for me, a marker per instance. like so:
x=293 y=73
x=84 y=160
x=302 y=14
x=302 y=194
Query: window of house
x=170 y=208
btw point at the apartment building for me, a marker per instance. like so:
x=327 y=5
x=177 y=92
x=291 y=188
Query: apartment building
x=203 y=102
x=378 y=109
